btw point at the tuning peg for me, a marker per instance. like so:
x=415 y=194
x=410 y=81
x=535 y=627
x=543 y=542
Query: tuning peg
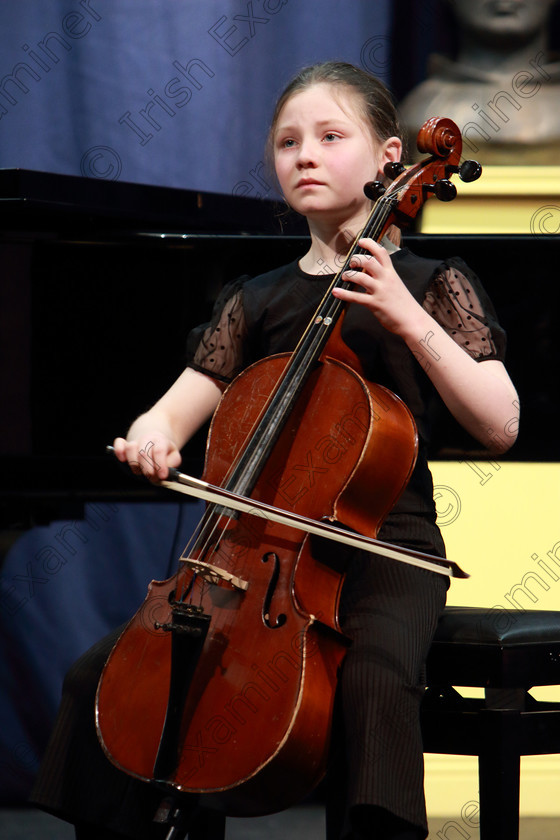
x=393 y=169
x=374 y=189
x=443 y=189
x=470 y=170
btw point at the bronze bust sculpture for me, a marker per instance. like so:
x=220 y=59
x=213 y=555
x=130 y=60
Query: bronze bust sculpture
x=502 y=89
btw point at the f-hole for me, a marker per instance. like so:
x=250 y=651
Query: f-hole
x=281 y=619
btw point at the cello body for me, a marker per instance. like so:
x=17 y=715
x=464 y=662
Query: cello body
x=248 y=727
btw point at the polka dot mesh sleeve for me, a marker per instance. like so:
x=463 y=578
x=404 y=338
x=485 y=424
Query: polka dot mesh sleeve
x=458 y=302
x=217 y=348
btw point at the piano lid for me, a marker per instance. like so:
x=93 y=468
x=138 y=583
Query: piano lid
x=28 y=197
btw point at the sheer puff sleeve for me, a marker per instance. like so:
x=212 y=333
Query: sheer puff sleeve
x=456 y=299
x=217 y=349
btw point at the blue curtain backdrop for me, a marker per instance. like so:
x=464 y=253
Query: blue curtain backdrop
x=166 y=92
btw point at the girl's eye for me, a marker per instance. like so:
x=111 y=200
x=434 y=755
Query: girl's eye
x=331 y=136
x=288 y=143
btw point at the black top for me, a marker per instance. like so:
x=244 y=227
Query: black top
x=257 y=317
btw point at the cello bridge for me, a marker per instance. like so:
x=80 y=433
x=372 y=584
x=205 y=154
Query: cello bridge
x=215 y=575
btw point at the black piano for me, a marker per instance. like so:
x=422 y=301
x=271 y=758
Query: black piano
x=101 y=282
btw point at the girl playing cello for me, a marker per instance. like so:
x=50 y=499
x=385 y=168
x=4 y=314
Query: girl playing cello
x=420 y=327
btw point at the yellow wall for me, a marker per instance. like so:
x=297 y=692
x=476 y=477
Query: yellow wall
x=501 y=523
x=506 y=199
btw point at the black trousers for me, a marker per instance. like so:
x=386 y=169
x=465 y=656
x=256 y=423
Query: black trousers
x=390 y=611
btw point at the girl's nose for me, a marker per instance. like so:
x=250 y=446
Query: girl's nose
x=307 y=154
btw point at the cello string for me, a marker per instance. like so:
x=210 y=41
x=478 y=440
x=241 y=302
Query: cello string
x=265 y=430
x=281 y=402
x=199 y=538
x=309 y=349
x=263 y=434
x=206 y=540
x=330 y=307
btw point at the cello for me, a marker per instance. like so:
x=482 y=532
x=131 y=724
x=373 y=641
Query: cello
x=222 y=685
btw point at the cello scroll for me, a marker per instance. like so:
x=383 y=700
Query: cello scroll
x=411 y=187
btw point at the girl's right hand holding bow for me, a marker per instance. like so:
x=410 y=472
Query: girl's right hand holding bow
x=155 y=439
x=151 y=454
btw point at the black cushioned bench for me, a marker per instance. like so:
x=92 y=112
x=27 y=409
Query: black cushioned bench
x=506 y=652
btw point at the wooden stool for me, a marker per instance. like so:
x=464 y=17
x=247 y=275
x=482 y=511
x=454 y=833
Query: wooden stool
x=506 y=652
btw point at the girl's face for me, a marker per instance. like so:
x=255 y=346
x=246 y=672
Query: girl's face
x=324 y=153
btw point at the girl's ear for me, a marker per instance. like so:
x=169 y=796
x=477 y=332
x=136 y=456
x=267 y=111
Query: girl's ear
x=391 y=150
